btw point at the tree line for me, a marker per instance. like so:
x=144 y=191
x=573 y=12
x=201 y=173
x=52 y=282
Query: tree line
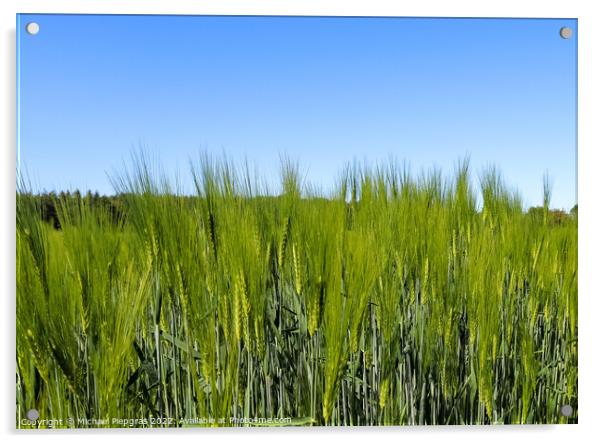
x=116 y=205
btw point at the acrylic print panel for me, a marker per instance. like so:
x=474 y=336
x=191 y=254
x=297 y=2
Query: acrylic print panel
x=295 y=221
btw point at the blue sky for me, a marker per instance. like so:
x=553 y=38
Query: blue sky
x=323 y=91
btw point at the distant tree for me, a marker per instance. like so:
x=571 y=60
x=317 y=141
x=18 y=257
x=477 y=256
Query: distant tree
x=554 y=216
x=48 y=209
x=557 y=217
x=48 y=204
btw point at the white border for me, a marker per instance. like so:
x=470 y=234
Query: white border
x=590 y=247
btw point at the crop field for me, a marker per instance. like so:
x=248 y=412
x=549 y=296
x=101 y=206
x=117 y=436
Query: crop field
x=395 y=299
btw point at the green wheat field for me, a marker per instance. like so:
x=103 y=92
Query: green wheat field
x=396 y=299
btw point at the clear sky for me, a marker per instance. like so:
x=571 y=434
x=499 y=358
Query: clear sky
x=323 y=91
